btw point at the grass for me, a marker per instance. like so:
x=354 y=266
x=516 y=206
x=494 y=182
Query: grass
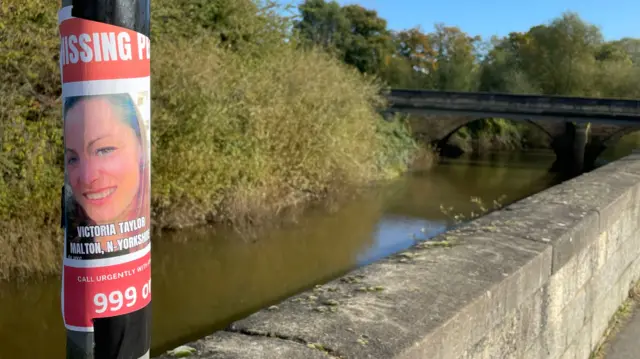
x=617 y=322
x=245 y=125
x=481 y=209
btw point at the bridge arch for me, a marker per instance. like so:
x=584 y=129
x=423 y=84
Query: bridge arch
x=438 y=129
x=470 y=120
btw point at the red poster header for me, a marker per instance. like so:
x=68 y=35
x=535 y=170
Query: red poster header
x=91 y=50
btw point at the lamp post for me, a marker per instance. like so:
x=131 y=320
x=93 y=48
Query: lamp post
x=106 y=281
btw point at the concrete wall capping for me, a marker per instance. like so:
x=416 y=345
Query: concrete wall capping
x=538 y=279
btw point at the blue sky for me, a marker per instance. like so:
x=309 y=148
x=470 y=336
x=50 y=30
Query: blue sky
x=616 y=18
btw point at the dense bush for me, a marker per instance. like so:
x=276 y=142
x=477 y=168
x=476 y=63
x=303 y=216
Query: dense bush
x=244 y=136
x=30 y=137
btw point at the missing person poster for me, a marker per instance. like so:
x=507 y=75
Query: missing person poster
x=106 y=124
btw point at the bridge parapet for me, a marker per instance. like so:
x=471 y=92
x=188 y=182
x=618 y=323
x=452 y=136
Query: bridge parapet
x=538 y=279
x=515 y=106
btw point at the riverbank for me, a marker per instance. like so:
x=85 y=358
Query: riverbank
x=194 y=265
x=241 y=132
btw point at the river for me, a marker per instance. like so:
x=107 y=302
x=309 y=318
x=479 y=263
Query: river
x=203 y=280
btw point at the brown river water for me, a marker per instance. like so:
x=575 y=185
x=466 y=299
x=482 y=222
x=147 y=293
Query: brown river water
x=203 y=280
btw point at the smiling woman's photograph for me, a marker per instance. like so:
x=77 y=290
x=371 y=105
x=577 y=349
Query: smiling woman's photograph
x=107 y=172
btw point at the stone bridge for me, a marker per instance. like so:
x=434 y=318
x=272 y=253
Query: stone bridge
x=580 y=128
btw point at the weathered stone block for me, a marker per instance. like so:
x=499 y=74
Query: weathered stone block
x=561 y=327
x=584 y=347
x=223 y=345
x=589 y=192
x=510 y=338
x=566 y=227
x=587 y=263
x=601 y=283
x=630 y=248
x=635 y=268
x=574 y=241
x=537 y=350
x=562 y=288
x=603 y=251
x=604 y=308
x=570 y=353
x=421 y=312
x=575 y=316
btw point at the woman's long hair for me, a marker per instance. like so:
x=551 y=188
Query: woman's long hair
x=74 y=213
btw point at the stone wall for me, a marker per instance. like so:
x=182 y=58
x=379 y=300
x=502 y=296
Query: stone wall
x=539 y=279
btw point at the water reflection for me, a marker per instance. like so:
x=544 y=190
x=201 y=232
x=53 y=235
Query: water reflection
x=30 y=316
x=203 y=283
x=413 y=210
x=395 y=233
x=202 y=280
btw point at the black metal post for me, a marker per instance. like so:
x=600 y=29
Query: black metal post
x=105 y=72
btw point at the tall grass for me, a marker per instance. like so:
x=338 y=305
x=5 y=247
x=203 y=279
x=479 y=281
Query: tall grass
x=244 y=124
x=482 y=209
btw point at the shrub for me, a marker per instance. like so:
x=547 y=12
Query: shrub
x=235 y=137
x=30 y=137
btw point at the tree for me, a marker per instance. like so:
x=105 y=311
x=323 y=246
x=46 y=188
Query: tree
x=612 y=51
x=235 y=24
x=632 y=47
x=397 y=72
x=567 y=56
x=501 y=70
x=355 y=34
x=411 y=63
x=322 y=23
x=617 y=73
x=369 y=39
x=560 y=56
x=455 y=59
x=416 y=47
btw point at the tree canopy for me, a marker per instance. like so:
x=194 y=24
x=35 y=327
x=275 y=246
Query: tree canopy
x=566 y=56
